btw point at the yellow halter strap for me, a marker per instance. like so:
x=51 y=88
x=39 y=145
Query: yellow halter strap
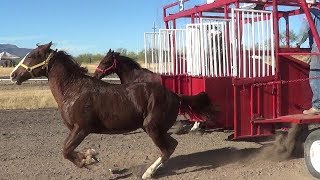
x=43 y=64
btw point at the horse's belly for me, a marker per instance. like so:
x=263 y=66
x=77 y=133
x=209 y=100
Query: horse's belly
x=122 y=124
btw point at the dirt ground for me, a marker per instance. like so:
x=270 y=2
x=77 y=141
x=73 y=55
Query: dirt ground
x=31 y=144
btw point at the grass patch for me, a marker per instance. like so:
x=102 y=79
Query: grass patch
x=27 y=99
x=5 y=71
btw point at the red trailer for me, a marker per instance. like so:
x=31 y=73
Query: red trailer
x=231 y=50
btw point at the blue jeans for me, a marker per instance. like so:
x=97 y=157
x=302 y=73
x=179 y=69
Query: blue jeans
x=315 y=83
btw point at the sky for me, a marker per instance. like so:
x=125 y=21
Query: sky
x=80 y=26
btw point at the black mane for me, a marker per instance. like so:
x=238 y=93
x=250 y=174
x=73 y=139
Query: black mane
x=69 y=62
x=129 y=61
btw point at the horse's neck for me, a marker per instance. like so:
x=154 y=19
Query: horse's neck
x=126 y=73
x=59 y=78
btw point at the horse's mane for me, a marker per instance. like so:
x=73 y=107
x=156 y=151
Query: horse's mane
x=129 y=61
x=70 y=62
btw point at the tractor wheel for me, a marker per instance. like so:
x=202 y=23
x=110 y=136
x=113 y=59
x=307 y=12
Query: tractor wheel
x=312 y=153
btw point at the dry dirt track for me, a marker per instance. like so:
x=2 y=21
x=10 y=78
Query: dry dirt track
x=31 y=143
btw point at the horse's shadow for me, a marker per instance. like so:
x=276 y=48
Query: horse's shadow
x=205 y=160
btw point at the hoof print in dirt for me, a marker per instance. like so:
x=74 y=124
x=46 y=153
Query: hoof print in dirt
x=119 y=173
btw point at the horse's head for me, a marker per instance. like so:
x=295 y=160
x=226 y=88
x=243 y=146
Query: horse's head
x=107 y=65
x=34 y=64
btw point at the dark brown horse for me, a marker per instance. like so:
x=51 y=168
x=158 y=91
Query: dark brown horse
x=126 y=68
x=88 y=105
x=130 y=71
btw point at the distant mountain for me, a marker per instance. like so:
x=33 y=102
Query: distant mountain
x=13 y=49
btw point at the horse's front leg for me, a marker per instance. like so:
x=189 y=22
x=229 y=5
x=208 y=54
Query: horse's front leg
x=75 y=137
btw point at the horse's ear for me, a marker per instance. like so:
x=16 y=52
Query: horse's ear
x=47 y=46
x=109 y=52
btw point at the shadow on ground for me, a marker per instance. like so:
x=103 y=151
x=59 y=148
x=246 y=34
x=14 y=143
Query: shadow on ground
x=205 y=160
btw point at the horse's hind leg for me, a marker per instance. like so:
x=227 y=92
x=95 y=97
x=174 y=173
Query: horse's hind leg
x=165 y=143
x=75 y=137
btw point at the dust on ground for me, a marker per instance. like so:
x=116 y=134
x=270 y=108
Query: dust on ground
x=31 y=144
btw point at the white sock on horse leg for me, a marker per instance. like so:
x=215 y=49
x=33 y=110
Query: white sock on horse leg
x=152 y=169
x=196 y=126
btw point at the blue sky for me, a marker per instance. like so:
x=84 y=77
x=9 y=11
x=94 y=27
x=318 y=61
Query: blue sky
x=79 y=26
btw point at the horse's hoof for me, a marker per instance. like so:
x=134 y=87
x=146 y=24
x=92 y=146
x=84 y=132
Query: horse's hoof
x=146 y=175
x=90 y=152
x=90 y=160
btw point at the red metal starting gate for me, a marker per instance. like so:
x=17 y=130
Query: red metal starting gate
x=232 y=51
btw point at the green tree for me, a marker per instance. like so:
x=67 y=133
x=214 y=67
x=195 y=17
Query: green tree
x=96 y=58
x=89 y=58
x=122 y=51
x=293 y=38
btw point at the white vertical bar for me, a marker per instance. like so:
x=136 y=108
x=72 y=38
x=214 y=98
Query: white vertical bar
x=184 y=52
x=268 y=49
x=236 y=46
x=171 y=59
x=165 y=52
x=162 y=40
x=263 y=48
x=259 y=43
x=211 y=53
x=224 y=48
x=198 y=51
x=205 y=28
x=202 y=68
x=219 y=51
x=192 y=52
x=253 y=46
x=249 y=44
x=272 y=47
x=160 y=53
x=215 y=64
x=178 y=69
x=243 y=45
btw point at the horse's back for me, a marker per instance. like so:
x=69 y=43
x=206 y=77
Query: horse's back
x=145 y=75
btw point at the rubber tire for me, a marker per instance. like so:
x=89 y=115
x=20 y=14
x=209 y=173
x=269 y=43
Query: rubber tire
x=312 y=137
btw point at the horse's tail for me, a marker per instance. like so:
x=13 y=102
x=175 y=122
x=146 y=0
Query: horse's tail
x=199 y=106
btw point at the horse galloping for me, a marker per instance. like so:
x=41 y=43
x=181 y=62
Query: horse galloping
x=88 y=105
x=128 y=70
